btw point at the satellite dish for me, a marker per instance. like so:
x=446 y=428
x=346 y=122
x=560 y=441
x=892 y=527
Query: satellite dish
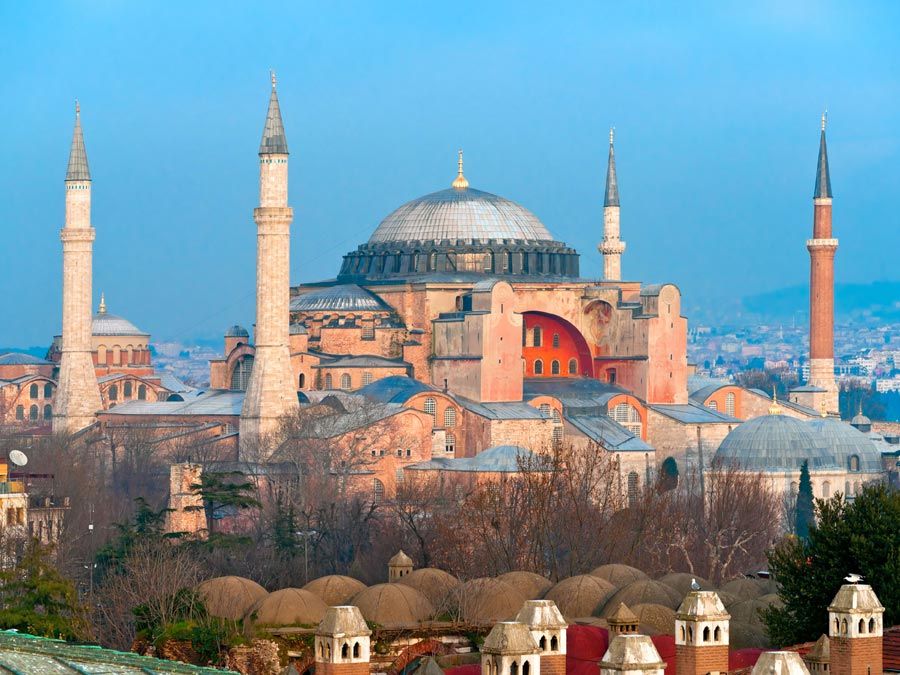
x=18 y=458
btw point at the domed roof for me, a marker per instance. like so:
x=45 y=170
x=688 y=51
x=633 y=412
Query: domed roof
x=237 y=331
x=681 y=582
x=433 y=583
x=230 y=597
x=460 y=214
x=844 y=441
x=485 y=600
x=400 y=559
x=744 y=588
x=643 y=592
x=748 y=612
x=289 y=607
x=341 y=298
x=775 y=443
x=581 y=595
x=655 y=619
x=105 y=323
x=532 y=586
x=335 y=589
x=618 y=575
x=22 y=359
x=745 y=636
x=860 y=420
x=393 y=605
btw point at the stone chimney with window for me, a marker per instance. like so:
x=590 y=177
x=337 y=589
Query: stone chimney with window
x=342 y=643
x=855 y=630
x=510 y=649
x=701 y=634
x=548 y=628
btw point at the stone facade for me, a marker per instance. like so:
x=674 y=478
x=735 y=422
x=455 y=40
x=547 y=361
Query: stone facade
x=186 y=512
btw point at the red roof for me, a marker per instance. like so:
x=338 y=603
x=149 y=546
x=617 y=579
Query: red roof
x=891 y=649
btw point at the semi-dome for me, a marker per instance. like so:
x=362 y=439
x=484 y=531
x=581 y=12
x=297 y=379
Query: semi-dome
x=340 y=298
x=845 y=441
x=460 y=214
x=775 y=443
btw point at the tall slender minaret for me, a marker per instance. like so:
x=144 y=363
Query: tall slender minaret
x=822 y=248
x=78 y=395
x=612 y=247
x=271 y=394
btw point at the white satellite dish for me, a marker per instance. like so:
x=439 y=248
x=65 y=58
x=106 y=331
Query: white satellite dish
x=18 y=458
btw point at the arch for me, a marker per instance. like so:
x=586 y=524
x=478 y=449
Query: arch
x=872 y=625
x=629 y=417
x=526 y=667
x=683 y=634
x=706 y=634
x=113 y=393
x=573 y=366
x=48 y=411
x=345 y=650
x=543 y=643
x=712 y=405
x=321 y=649
x=356 y=650
x=430 y=406
x=554 y=643
x=837 y=626
x=20 y=412
x=554 y=367
x=450 y=442
x=328 y=382
x=240 y=374
x=514 y=668
x=488 y=262
x=843 y=626
x=345 y=381
x=33 y=390
x=377 y=490
x=48 y=390
x=557 y=418
x=301 y=380
x=853 y=461
x=862 y=626
x=127 y=389
x=33 y=412
x=690 y=634
x=327 y=650
x=538 y=367
x=717 y=634
x=564 y=342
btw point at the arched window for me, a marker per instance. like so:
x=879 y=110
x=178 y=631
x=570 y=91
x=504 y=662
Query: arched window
x=556 y=340
x=240 y=376
x=48 y=390
x=573 y=367
x=126 y=390
x=629 y=417
x=848 y=489
x=690 y=634
x=328 y=382
x=854 y=462
x=526 y=668
x=327 y=651
x=794 y=487
x=113 y=393
x=33 y=391
x=543 y=643
x=826 y=489
x=554 y=643
x=449 y=442
x=345 y=650
x=843 y=626
x=20 y=412
x=536 y=334
x=430 y=406
x=554 y=367
x=48 y=411
x=378 y=491
x=872 y=625
x=449 y=417
x=488 y=262
x=717 y=634
x=355 y=650
x=712 y=405
x=862 y=625
x=33 y=412
x=632 y=488
x=557 y=418
x=729 y=404
x=683 y=634
x=538 y=367
x=142 y=392
x=557 y=436
x=837 y=626
x=345 y=381
x=545 y=409
x=301 y=381
x=706 y=634
x=367 y=379
x=432 y=261
x=514 y=668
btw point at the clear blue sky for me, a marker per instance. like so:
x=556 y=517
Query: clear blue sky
x=716 y=107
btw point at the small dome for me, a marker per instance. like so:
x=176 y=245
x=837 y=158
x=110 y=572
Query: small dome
x=342 y=298
x=392 y=605
x=289 y=607
x=532 y=586
x=230 y=597
x=237 y=331
x=580 y=596
x=844 y=440
x=335 y=589
x=644 y=592
x=774 y=443
x=771 y=600
x=400 y=559
x=655 y=619
x=486 y=600
x=22 y=359
x=681 y=582
x=743 y=636
x=744 y=588
x=433 y=583
x=860 y=419
x=619 y=575
x=110 y=324
x=460 y=214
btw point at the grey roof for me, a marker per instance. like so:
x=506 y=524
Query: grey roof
x=105 y=323
x=775 y=443
x=693 y=413
x=22 y=359
x=856 y=599
x=394 y=389
x=611 y=198
x=356 y=416
x=698 y=382
x=497 y=459
x=512 y=410
x=809 y=388
x=274 y=141
x=460 y=214
x=779 y=663
x=700 y=395
x=237 y=331
x=212 y=402
x=823 y=179
x=359 y=361
x=427 y=666
x=30 y=655
x=78 y=164
x=343 y=298
x=581 y=393
x=172 y=383
x=844 y=440
x=607 y=432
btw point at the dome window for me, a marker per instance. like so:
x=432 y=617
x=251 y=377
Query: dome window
x=854 y=462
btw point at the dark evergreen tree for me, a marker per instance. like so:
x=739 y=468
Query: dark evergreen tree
x=805 y=513
x=223 y=493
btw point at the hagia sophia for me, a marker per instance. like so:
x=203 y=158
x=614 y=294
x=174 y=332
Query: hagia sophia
x=460 y=337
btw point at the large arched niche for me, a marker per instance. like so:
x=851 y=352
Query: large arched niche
x=599 y=319
x=571 y=345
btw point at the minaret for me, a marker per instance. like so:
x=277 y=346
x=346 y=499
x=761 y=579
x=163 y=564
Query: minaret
x=271 y=394
x=822 y=248
x=612 y=247
x=78 y=396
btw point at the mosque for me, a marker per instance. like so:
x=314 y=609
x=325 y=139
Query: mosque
x=459 y=338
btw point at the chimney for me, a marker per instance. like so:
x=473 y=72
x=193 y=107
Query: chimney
x=855 y=630
x=701 y=634
x=548 y=628
x=342 y=643
x=510 y=649
x=632 y=654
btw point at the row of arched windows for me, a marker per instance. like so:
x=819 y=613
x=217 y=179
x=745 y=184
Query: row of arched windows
x=34 y=412
x=325 y=650
x=35 y=390
x=688 y=635
x=572 y=367
x=127 y=392
x=863 y=627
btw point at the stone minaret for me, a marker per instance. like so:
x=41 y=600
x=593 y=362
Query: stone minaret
x=342 y=643
x=632 y=655
x=271 y=394
x=399 y=566
x=622 y=621
x=856 y=630
x=701 y=634
x=822 y=248
x=548 y=628
x=78 y=396
x=612 y=247
x=510 y=649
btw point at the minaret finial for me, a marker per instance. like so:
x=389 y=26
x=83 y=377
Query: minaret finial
x=774 y=409
x=612 y=135
x=102 y=308
x=824 y=118
x=274 y=81
x=460 y=182
x=77 y=108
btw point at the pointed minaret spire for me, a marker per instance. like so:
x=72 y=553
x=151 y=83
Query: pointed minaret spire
x=78 y=164
x=611 y=247
x=274 y=142
x=823 y=179
x=460 y=182
x=612 y=185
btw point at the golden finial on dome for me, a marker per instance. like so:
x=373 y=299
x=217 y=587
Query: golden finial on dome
x=102 y=308
x=774 y=409
x=822 y=410
x=460 y=182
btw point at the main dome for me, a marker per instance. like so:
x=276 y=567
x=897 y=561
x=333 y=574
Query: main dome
x=460 y=215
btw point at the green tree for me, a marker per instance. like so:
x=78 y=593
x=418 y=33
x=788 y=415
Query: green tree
x=146 y=525
x=805 y=514
x=36 y=599
x=862 y=536
x=223 y=492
